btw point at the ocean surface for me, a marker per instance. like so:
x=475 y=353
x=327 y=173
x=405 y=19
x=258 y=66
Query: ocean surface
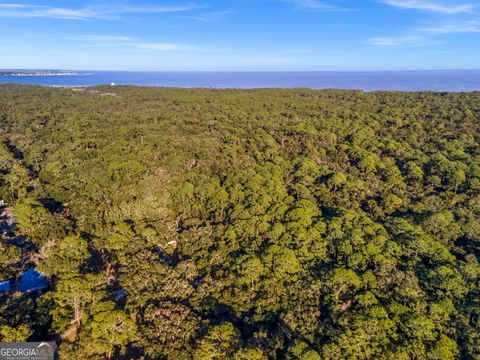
x=441 y=80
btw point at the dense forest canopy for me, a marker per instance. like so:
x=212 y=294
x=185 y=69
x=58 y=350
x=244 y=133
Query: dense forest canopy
x=242 y=224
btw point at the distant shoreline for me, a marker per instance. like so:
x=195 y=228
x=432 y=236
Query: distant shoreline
x=14 y=73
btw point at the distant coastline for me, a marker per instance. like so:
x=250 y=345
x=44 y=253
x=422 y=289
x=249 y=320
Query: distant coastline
x=38 y=73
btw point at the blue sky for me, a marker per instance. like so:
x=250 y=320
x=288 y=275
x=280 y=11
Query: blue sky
x=240 y=34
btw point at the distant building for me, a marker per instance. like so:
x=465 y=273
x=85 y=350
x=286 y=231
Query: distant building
x=112 y=84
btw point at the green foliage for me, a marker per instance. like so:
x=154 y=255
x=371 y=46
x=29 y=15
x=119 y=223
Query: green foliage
x=66 y=257
x=242 y=224
x=18 y=334
x=300 y=350
x=37 y=223
x=221 y=342
x=10 y=257
x=111 y=331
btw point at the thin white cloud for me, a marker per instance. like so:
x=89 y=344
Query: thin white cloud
x=431 y=6
x=129 y=42
x=14 y=10
x=469 y=27
x=210 y=16
x=161 y=46
x=407 y=40
x=154 y=9
x=425 y=36
x=101 y=38
x=315 y=5
x=12 y=6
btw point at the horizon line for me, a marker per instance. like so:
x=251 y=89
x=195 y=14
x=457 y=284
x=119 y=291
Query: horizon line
x=242 y=70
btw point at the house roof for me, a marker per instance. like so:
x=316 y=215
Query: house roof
x=32 y=280
x=5 y=286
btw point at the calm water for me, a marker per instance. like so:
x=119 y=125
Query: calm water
x=461 y=80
